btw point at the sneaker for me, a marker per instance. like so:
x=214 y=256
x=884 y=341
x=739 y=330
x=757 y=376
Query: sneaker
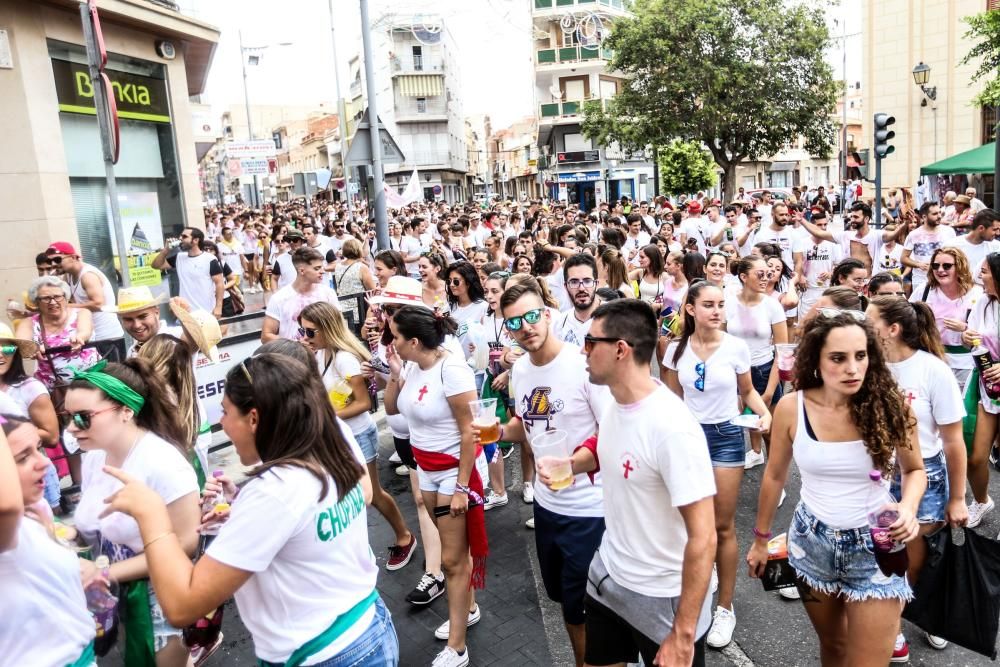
x=901 y=651
x=449 y=657
x=494 y=499
x=394 y=458
x=530 y=523
x=781 y=500
x=790 y=593
x=403 y=470
x=507 y=452
x=978 y=510
x=936 y=642
x=400 y=556
x=715 y=580
x=753 y=459
x=428 y=589
x=442 y=630
x=200 y=654
x=528 y=493
x=723 y=624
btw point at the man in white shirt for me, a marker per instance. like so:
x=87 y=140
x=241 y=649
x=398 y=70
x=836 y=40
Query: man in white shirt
x=693 y=228
x=551 y=391
x=198 y=272
x=410 y=248
x=921 y=243
x=635 y=240
x=975 y=203
x=779 y=232
x=979 y=242
x=764 y=207
x=580 y=275
x=814 y=262
x=477 y=231
x=647 y=590
x=859 y=240
x=281 y=317
x=283 y=267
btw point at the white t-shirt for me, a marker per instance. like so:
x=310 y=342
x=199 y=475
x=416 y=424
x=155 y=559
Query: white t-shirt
x=46 y=621
x=718 y=401
x=310 y=560
x=817 y=259
x=285 y=269
x=784 y=238
x=654 y=459
x=472 y=313
x=890 y=260
x=753 y=325
x=232 y=255
x=410 y=246
x=423 y=401
x=974 y=253
x=872 y=241
x=931 y=390
x=154 y=462
x=559 y=395
x=697 y=229
x=635 y=244
x=344 y=366
x=985 y=319
x=957 y=309
x=287 y=303
x=922 y=244
x=25 y=392
x=568 y=329
x=194 y=275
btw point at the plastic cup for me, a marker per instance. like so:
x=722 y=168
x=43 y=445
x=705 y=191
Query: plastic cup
x=785 y=353
x=340 y=393
x=552 y=456
x=484 y=418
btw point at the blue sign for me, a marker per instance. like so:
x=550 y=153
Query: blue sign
x=579 y=176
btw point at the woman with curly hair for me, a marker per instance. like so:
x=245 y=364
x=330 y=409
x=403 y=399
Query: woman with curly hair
x=845 y=419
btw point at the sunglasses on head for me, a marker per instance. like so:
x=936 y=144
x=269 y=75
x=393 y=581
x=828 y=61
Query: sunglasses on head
x=83 y=419
x=307 y=333
x=947 y=266
x=531 y=317
x=8 y=349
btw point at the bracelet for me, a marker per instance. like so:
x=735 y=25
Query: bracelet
x=158 y=537
x=501 y=433
x=462 y=488
x=760 y=534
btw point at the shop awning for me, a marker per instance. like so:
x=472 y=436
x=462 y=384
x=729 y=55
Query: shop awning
x=421 y=85
x=976 y=161
x=781 y=166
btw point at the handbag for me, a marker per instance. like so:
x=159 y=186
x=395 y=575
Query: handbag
x=957 y=596
x=239 y=305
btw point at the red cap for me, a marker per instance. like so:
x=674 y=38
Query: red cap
x=716 y=202
x=694 y=206
x=61 y=248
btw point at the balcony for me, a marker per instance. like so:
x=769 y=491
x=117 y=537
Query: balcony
x=569 y=111
x=414 y=110
x=543 y=5
x=416 y=64
x=571 y=54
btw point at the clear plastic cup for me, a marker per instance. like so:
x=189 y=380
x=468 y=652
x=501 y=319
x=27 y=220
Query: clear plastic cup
x=340 y=393
x=785 y=356
x=552 y=457
x=484 y=418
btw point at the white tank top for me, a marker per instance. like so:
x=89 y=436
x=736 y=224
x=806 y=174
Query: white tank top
x=106 y=325
x=834 y=476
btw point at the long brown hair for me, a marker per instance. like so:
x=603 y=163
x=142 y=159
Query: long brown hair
x=297 y=426
x=688 y=326
x=963 y=276
x=878 y=409
x=171 y=359
x=916 y=321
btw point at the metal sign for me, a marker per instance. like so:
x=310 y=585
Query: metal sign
x=258 y=148
x=578 y=156
x=255 y=166
x=361 y=151
x=579 y=177
x=436 y=189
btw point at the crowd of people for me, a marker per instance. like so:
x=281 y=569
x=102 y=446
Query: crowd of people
x=649 y=352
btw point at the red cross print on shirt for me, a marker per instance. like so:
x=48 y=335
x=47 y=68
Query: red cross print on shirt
x=628 y=467
x=909 y=396
x=421 y=393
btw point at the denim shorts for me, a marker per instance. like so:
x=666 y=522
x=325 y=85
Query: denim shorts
x=932 y=505
x=839 y=562
x=368 y=441
x=726 y=444
x=759 y=375
x=163 y=632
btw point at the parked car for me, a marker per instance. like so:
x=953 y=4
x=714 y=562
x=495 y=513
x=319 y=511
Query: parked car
x=777 y=194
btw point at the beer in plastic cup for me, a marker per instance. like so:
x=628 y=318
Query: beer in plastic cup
x=785 y=358
x=484 y=418
x=340 y=393
x=552 y=456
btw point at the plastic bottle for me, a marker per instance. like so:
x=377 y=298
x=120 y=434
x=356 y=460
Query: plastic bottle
x=984 y=361
x=102 y=601
x=882 y=513
x=210 y=500
x=213 y=529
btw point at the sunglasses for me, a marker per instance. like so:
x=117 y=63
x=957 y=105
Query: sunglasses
x=455 y=282
x=699 y=382
x=56 y=260
x=83 y=419
x=307 y=333
x=577 y=283
x=831 y=313
x=946 y=266
x=589 y=341
x=531 y=317
x=8 y=349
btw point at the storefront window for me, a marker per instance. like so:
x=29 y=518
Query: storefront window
x=149 y=192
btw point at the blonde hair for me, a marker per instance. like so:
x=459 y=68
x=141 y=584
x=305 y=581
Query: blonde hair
x=331 y=323
x=170 y=359
x=541 y=286
x=615 y=270
x=352 y=249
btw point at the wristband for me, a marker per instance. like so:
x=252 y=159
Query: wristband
x=462 y=488
x=762 y=535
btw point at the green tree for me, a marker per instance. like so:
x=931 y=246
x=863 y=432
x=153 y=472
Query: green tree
x=984 y=30
x=685 y=167
x=742 y=77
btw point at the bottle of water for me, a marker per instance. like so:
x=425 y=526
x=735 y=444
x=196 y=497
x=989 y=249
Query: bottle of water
x=212 y=530
x=102 y=602
x=882 y=513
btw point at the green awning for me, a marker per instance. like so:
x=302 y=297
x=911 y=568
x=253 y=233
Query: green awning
x=976 y=161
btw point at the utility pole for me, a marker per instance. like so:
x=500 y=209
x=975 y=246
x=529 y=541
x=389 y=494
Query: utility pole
x=381 y=219
x=246 y=101
x=342 y=118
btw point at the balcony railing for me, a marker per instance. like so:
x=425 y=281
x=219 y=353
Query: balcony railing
x=555 y=110
x=571 y=54
x=550 y=4
x=416 y=65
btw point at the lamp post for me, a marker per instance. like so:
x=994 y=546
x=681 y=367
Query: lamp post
x=921 y=75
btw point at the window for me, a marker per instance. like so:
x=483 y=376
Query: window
x=276 y=137
x=418 y=58
x=421 y=105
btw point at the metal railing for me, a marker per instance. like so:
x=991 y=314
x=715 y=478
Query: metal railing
x=553 y=110
x=571 y=54
x=587 y=4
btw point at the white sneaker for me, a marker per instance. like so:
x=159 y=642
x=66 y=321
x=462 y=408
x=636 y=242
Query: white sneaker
x=528 y=493
x=791 y=593
x=723 y=624
x=753 y=459
x=442 y=630
x=449 y=657
x=403 y=470
x=394 y=458
x=936 y=642
x=715 y=580
x=494 y=499
x=978 y=510
x=530 y=523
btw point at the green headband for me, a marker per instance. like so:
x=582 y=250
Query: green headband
x=110 y=385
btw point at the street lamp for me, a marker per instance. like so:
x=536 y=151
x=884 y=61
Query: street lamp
x=921 y=75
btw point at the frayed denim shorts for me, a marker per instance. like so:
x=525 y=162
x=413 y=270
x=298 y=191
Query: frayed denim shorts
x=726 y=444
x=839 y=562
x=935 y=499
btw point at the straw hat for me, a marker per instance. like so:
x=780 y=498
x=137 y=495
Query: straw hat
x=962 y=199
x=27 y=348
x=401 y=290
x=201 y=328
x=132 y=299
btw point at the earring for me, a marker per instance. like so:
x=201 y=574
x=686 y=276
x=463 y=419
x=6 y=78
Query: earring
x=816 y=373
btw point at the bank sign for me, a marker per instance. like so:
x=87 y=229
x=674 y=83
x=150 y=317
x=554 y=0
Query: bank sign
x=138 y=97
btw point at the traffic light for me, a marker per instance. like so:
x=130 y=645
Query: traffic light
x=883 y=134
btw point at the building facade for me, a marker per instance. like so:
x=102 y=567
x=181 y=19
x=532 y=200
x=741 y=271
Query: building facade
x=52 y=174
x=571 y=69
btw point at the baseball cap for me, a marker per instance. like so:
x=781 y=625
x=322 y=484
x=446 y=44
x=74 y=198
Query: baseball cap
x=61 y=248
x=294 y=234
x=818 y=212
x=694 y=206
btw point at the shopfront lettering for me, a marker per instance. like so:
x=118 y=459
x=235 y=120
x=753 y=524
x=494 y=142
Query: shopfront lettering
x=137 y=97
x=129 y=93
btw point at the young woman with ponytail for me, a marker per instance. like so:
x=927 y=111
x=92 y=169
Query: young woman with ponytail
x=122 y=420
x=915 y=356
x=709 y=370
